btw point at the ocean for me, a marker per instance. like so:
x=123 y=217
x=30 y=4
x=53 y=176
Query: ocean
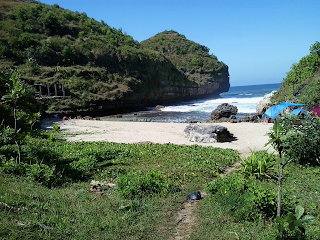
x=245 y=98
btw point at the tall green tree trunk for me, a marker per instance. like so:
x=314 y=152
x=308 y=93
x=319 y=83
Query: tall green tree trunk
x=280 y=179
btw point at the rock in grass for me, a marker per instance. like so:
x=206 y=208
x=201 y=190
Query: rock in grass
x=194 y=196
x=98 y=187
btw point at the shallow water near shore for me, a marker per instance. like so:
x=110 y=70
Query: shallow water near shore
x=245 y=98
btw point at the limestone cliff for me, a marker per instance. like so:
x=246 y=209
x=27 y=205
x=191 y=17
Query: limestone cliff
x=102 y=68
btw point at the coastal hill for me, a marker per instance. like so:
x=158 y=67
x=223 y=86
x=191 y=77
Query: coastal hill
x=302 y=83
x=96 y=67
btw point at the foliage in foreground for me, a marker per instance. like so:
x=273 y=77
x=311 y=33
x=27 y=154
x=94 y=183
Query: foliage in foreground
x=300 y=137
x=235 y=207
x=240 y=206
x=292 y=224
x=64 y=162
x=31 y=211
x=245 y=198
x=259 y=164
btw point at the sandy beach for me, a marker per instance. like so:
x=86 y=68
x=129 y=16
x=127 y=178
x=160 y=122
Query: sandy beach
x=249 y=136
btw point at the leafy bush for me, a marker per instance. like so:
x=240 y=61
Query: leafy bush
x=260 y=164
x=12 y=167
x=245 y=198
x=84 y=165
x=310 y=94
x=292 y=225
x=42 y=173
x=139 y=184
x=9 y=151
x=7 y=135
x=301 y=138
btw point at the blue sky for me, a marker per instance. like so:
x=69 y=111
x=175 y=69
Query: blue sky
x=258 y=39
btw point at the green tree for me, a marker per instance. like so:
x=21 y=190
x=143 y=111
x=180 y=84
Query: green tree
x=296 y=138
x=16 y=92
x=276 y=142
x=18 y=99
x=315 y=48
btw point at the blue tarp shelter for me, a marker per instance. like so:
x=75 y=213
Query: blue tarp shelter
x=299 y=110
x=273 y=111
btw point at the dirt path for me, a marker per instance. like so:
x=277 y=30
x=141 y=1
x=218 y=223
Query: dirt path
x=187 y=216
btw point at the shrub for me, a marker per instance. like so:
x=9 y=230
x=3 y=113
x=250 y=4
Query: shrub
x=41 y=173
x=245 y=198
x=301 y=138
x=9 y=151
x=260 y=164
x=139 y=184
x=291 y=226
x=310 y=94
x=7 y=135
x=84 y=166
x=12 y=167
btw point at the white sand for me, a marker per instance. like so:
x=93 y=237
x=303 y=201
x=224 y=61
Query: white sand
x=249 y=136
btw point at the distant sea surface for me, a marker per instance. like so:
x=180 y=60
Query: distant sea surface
x=245 y=98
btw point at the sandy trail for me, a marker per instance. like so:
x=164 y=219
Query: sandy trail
x=249 y=136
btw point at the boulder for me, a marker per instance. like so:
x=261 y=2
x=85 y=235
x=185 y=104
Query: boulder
x=264 y=104
x=249 y=118
x=224 y=110
x=207 y=133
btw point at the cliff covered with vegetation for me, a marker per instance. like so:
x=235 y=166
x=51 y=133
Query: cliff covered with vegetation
x=99 y=66
x=302 y=84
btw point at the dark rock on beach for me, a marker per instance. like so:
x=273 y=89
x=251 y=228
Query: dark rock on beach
x=249 y=118
x=224 y=111
x=207 y=133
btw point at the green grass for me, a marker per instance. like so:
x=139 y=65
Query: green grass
x=68 y=210
x=72 y=212
x=302 y=186
x=164 y=175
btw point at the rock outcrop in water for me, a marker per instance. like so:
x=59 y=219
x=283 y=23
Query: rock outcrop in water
x=224 y=112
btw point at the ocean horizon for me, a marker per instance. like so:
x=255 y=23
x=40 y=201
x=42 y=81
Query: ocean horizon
x=245 y=98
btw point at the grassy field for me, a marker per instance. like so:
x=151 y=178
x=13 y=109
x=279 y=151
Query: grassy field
x=152 y=180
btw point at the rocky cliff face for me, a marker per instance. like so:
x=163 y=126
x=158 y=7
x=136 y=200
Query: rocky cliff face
x=177 y=92
x=152 y=97
x=194 y=72
x=169 y=91
x=100 y=67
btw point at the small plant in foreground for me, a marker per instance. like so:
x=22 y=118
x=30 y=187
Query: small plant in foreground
x=292 y=225
x=55 y=129
x=260 y=164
